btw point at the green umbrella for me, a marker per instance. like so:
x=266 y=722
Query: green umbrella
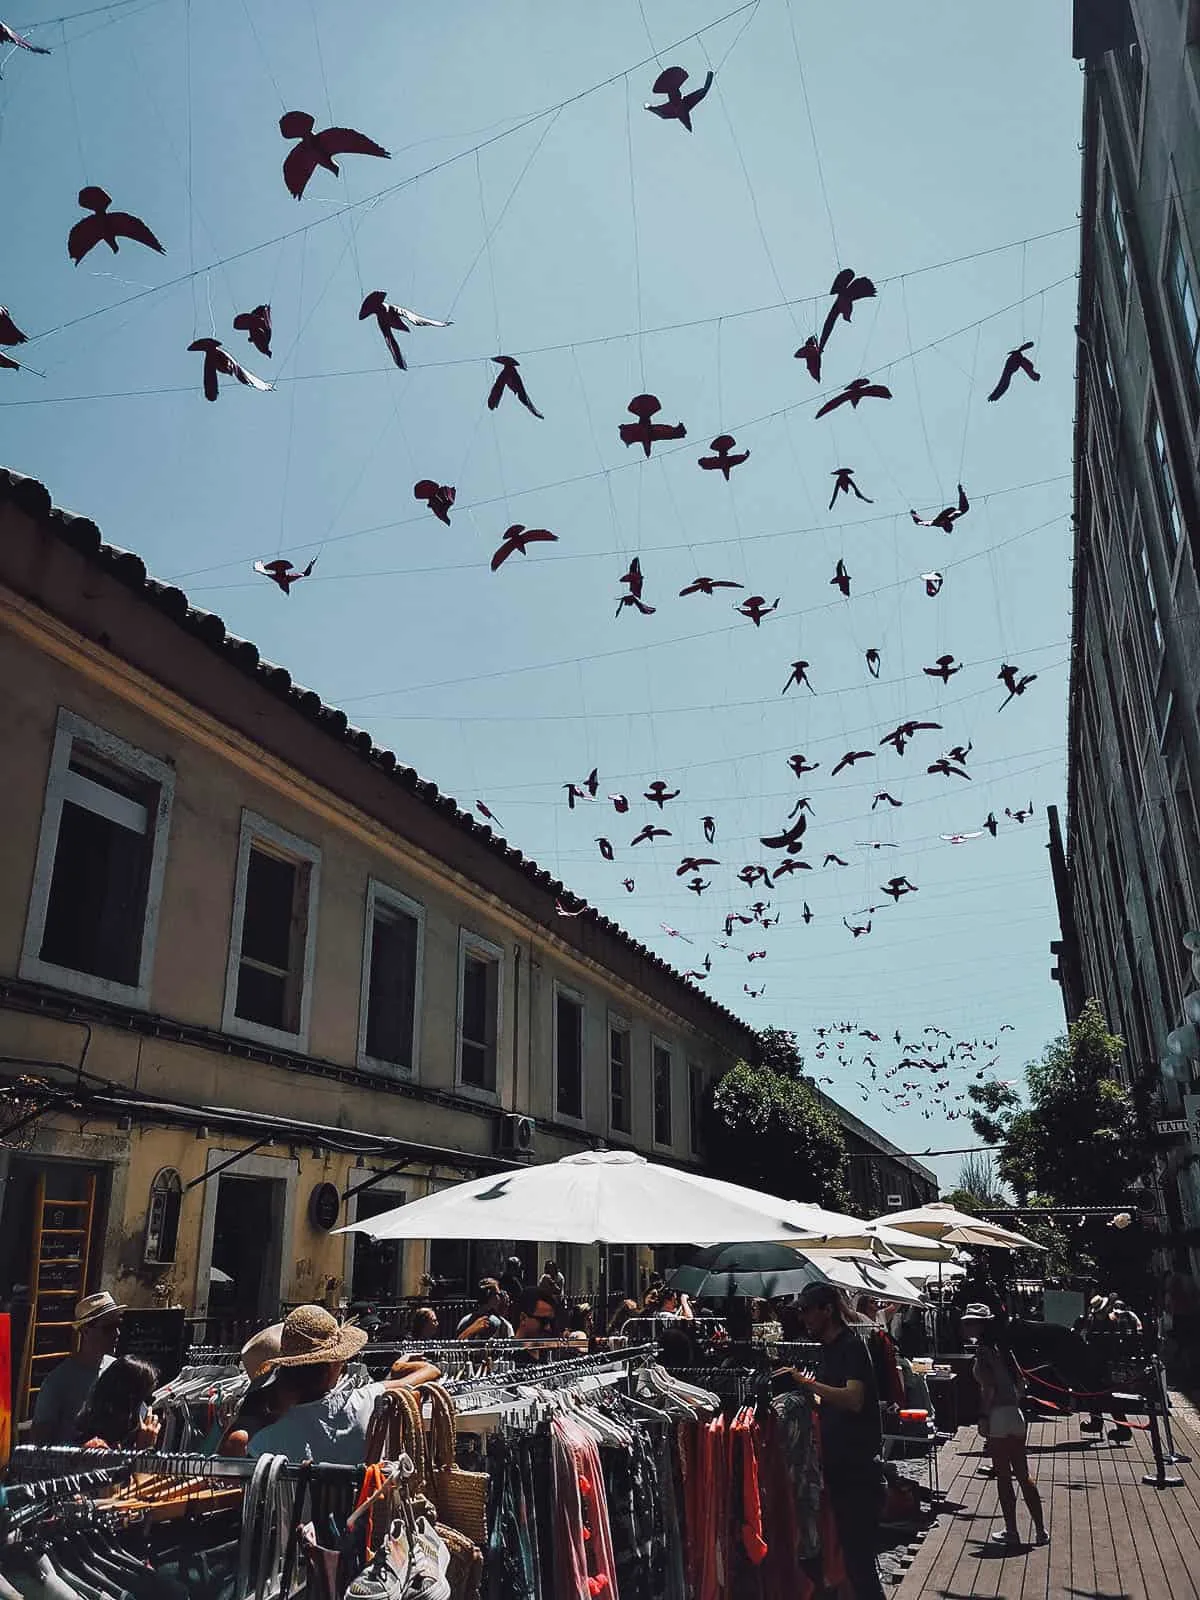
x=753 y=1271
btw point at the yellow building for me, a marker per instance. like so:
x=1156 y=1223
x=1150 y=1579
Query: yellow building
x=248 y=960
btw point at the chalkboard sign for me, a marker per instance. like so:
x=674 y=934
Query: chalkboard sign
x=155 y=1335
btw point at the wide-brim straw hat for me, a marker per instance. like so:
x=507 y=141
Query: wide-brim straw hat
x=258 y=1352
x=312 y=1336
x=94 y=1307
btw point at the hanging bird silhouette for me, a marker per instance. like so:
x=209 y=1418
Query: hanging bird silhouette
x=10 y=335
x=487 y=813
x=944 y=668
x=855 y=392
x=933 y=583
x=650 y=833
x=644 y=431
x=800 y=765
x=1015 y=684
x=847 y=290
x=319 y=149
x=810 y=353
x=693 y=864
x=844 y=484
x=659 y=794
x=1015 y=361
x=629 y=885
x=850 y=758
x=256 y=325
x=283 y=574
x=756 y=955
x=1021 y=816
x=834 y=860
x=891 y=800
x=961 y=838
x=709 y=825
x=947 y=516
x=510 y=378
x=960 y=752
x=991 y=824
x=803 y=804
x=517 y=538
x=634 y=579
x=755 y=994
x=756 y=608
x=104 y=226
x=638 y=605
x=11 y=36
x=574 y=792
x=799 y=676
x=897 y=888
x=841 y=579
x=620 y=803
x=753 y=873
x=439 y=497
x=876 y=844
x=723 y=461
x=789 y=865
x=219 y=363
x=677 y=107
x=790 y=839
x=735 y=916
x=697 y=885
x=563 y=910
x=674 y=933
x=858 y=929
x=946 y=769
x=708 y=585
x=806 y=915
x=391 y=320
x=606 y=849
x=592 y=783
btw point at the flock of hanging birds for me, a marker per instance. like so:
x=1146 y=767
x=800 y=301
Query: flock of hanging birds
x=929 y=1064
x=316 y=149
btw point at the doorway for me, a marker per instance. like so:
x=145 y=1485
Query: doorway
x=247 y=1239
x=377 y=1273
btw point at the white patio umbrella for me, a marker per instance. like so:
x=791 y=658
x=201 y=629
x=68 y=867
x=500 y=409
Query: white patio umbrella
x=837 y=1230
x=919 y=1273
x=862 y=1274
x=948 y=1225
x=595 y=1197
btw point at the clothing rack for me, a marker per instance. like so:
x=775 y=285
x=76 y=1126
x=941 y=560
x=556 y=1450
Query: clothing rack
x=60 y=1460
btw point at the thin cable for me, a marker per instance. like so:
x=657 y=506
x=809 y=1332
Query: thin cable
x=812 y=129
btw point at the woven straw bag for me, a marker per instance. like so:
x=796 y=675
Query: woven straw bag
x=460 y=1495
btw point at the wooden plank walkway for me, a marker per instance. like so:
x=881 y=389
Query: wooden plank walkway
x=1111 y=1536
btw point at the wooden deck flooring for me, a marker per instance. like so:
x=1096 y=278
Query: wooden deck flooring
x=1111 y=1536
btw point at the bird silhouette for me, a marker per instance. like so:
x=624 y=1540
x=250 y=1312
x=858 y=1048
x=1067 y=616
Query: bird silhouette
x=961 y=838
x=11 y=36
x=629 y=885
x=946 y=769
x=574 y=792
x=592 y=783
x=806 y=915
x=10 y=335
x=707 y=586
x=283 y=574
x=650 y=833
x=106 y=227
x=841 y=579
x=832 y=859
x=799 y=676
x=844 y=484
x=638 y=605
x=847 y=290
x=677 y=107
x=756 y=955
x=219 y=363
x=606 y=849
x=874 y=661
x=947 y=516
x=315 y=149
x=991 y=824
x=756 y=608
x=644 y=431
x=1015 y=684
x=693 y=864
x=897 y=888
x=933 y=583
x=755 y=994
x=735 y=916
x=723 y=461
x=803 y=804
x=487 y=813
x=850 y=758
x=256 y=325
x=563 y=910
x=1021 y=816
x=960 y=752
x=439 y=497
x=620 y=803
x=800 y=765
x=891 y=800
x=709 y=825
x=391 y=320
x=810 y=353
x=858 y=929
x=855 y=392
x=510 y=378
x=635 y=580
x=790 y=839
x=674 y=933
x=517 y=538
x=789 y=865
x=876 y=844
x=754 y=872
x=1015 y=361
x=658 y=793
x=697 y=885
x=944 y=668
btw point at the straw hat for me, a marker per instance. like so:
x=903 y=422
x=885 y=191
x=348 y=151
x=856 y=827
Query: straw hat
x=94 y=1307
x=977 y=1312
x=262 y=1349
x=311 y=1336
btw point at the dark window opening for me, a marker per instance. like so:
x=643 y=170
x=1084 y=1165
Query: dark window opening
x=618 y=1059
x=568 y=1057
x=273 y=933
x=392 y=986
x=477 y=1047
x=662 y=1095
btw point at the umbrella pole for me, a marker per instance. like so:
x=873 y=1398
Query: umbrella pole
x=937 y=1309
x=600 y=1325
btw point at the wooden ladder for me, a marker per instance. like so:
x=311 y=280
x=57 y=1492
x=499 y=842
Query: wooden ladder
x=62 y=1240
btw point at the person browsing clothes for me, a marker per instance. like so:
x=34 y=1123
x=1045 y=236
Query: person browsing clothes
x=325 y=1416
x=67 y=1388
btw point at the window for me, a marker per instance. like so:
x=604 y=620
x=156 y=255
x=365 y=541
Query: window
x=1118 y=242
x=619 y=1108
x=1182 y=297
x=268 y=992
x=1164 y=481
x=696 y=1107
x=568 y=1054
x=390 y=1011
x=662 y=1095
x=1150 y=597
x=478 y=1012
x=93 y=911
x=162 y=1218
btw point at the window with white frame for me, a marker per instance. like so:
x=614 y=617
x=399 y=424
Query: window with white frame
x=479 y=965
x=1181 y=293
x=1117 y=238
x=1164 y=479
x=696 y=1086
x=620 y=1104
x=568 y=1054
x=390 y=1015
x=663 y=1066
x=268 y=991
x=93 y=911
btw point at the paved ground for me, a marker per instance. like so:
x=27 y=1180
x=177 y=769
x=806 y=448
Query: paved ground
x=1111 y=1536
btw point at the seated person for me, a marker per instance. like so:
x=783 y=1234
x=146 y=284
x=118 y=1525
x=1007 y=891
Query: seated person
x=487 y=1321
x=537 y=1316
x=118 y=1415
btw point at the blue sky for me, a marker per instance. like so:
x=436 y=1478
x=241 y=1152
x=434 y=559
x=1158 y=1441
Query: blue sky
x=931 y=145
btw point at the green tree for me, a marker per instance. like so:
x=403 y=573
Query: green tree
x=769 y=1129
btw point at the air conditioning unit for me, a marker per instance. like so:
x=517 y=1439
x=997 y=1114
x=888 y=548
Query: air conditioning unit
x=895 y=1201
x=515 y=1136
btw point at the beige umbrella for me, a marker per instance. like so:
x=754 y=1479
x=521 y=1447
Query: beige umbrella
x=948 y=1225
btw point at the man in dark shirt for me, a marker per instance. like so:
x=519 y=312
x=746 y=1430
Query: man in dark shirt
x=851 y=1434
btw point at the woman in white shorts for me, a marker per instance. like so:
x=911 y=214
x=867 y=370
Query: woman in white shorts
x=1002 y=1422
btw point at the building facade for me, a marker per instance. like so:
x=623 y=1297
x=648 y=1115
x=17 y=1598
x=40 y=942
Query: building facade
x=1129 y=886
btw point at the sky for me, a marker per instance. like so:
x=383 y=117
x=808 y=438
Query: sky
x=532 y=202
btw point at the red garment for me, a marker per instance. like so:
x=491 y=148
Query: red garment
x=782 y=1576
x=583 y=1550
x=750 y=1438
